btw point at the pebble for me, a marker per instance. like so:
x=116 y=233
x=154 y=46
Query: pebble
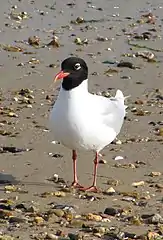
x=94 y=217
x=110 y=191
x=117 y=158
x=55 y=178
x=51 y=236
x=32 y=209
x=65 y=208
x=128 y=199
x=155 y=174
x=52 y=218
x=118 y=142
x=102 y=161
x=17 y=220
x=137 y=184
x=77 y=223
x=59 y=194
x=159 y=185
x=6 y=237
x=113 y=182
x=111 y=211
x=38 y=220
x=155 y=219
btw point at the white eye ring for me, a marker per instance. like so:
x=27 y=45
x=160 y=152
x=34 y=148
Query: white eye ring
x=77 y=66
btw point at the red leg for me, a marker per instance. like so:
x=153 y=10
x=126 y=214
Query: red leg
x=93 y=187
x=75 y=181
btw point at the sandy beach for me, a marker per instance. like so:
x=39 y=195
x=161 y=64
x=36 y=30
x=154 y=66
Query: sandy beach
x=121 y=41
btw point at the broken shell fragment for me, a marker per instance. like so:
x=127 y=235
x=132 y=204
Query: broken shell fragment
x=117 y=158
x=10 y=48
x=155 y=174
x=145 y=54
x=54 y=43
x=34 y=41
x=137 y=184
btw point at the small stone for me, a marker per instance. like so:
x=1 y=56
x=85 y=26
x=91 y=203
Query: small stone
x=33 y=209
x=65 y=208
x=110 y=191
x=93 y=217
x=73 y=236
x=128 y=199
x=17 y=220
x=51 y=236
x=58 y=212
x=126 y=64
x=111 y=211
x=145 y=54
x=153 y=235
x=77 y=223
x=137 y=184
x=52 y=65
x=16 y=99
x=101 y=230
x=29 y=106
x=59 y=194
x=6 y=237
x=34 y=41
x=12 y=114
x=80 y=20
x=155 y=174
x=57 y=155
x=99 y=235
x=55 y=178
x=113 y=182
x=117 y=158
x=54 y=43
x=102 y=161
x=159 y=185
x=39 y=220
x=155 y=219
x=10 y=188
x=52 y=218
x=78 y=41
x=139 y=102
x=118 y=142
x=102 y=39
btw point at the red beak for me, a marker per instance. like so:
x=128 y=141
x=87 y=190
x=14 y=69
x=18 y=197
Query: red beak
x=61 y=75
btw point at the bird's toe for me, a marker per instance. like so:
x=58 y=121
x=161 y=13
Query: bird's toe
x=90 y=189
x=76 y=185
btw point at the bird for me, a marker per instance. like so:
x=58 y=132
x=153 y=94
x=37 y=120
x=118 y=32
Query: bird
x=81 y=120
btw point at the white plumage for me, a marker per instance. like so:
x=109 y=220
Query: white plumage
x=81 y=120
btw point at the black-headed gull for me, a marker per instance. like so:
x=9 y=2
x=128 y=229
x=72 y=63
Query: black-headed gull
x=81 y=120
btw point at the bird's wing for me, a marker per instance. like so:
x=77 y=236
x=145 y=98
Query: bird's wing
x=112 y=110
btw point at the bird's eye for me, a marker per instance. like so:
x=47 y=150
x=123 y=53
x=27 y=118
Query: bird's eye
x=77 y=66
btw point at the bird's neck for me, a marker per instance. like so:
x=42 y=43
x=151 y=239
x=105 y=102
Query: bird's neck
x=75 y=92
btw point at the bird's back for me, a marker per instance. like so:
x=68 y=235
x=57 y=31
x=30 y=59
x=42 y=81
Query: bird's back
x=112 y=110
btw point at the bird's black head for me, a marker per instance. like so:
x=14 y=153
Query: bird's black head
x=74 y=71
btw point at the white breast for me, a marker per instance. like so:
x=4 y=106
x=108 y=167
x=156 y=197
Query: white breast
x=77 y=122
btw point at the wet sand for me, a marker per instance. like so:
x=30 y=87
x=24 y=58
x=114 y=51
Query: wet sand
x=30 y=170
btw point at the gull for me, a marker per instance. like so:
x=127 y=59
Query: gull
x=83 y=121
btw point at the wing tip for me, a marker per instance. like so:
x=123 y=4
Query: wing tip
x=119 y=94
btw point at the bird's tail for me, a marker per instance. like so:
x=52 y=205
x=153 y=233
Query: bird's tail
x=119 y=95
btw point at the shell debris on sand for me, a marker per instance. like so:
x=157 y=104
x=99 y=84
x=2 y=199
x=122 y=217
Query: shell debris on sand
x=123 y=48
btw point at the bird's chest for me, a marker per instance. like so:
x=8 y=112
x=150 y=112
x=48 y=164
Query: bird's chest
x=69 y=123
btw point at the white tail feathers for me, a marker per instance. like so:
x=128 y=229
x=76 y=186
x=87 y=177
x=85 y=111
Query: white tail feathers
x=119 y=94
